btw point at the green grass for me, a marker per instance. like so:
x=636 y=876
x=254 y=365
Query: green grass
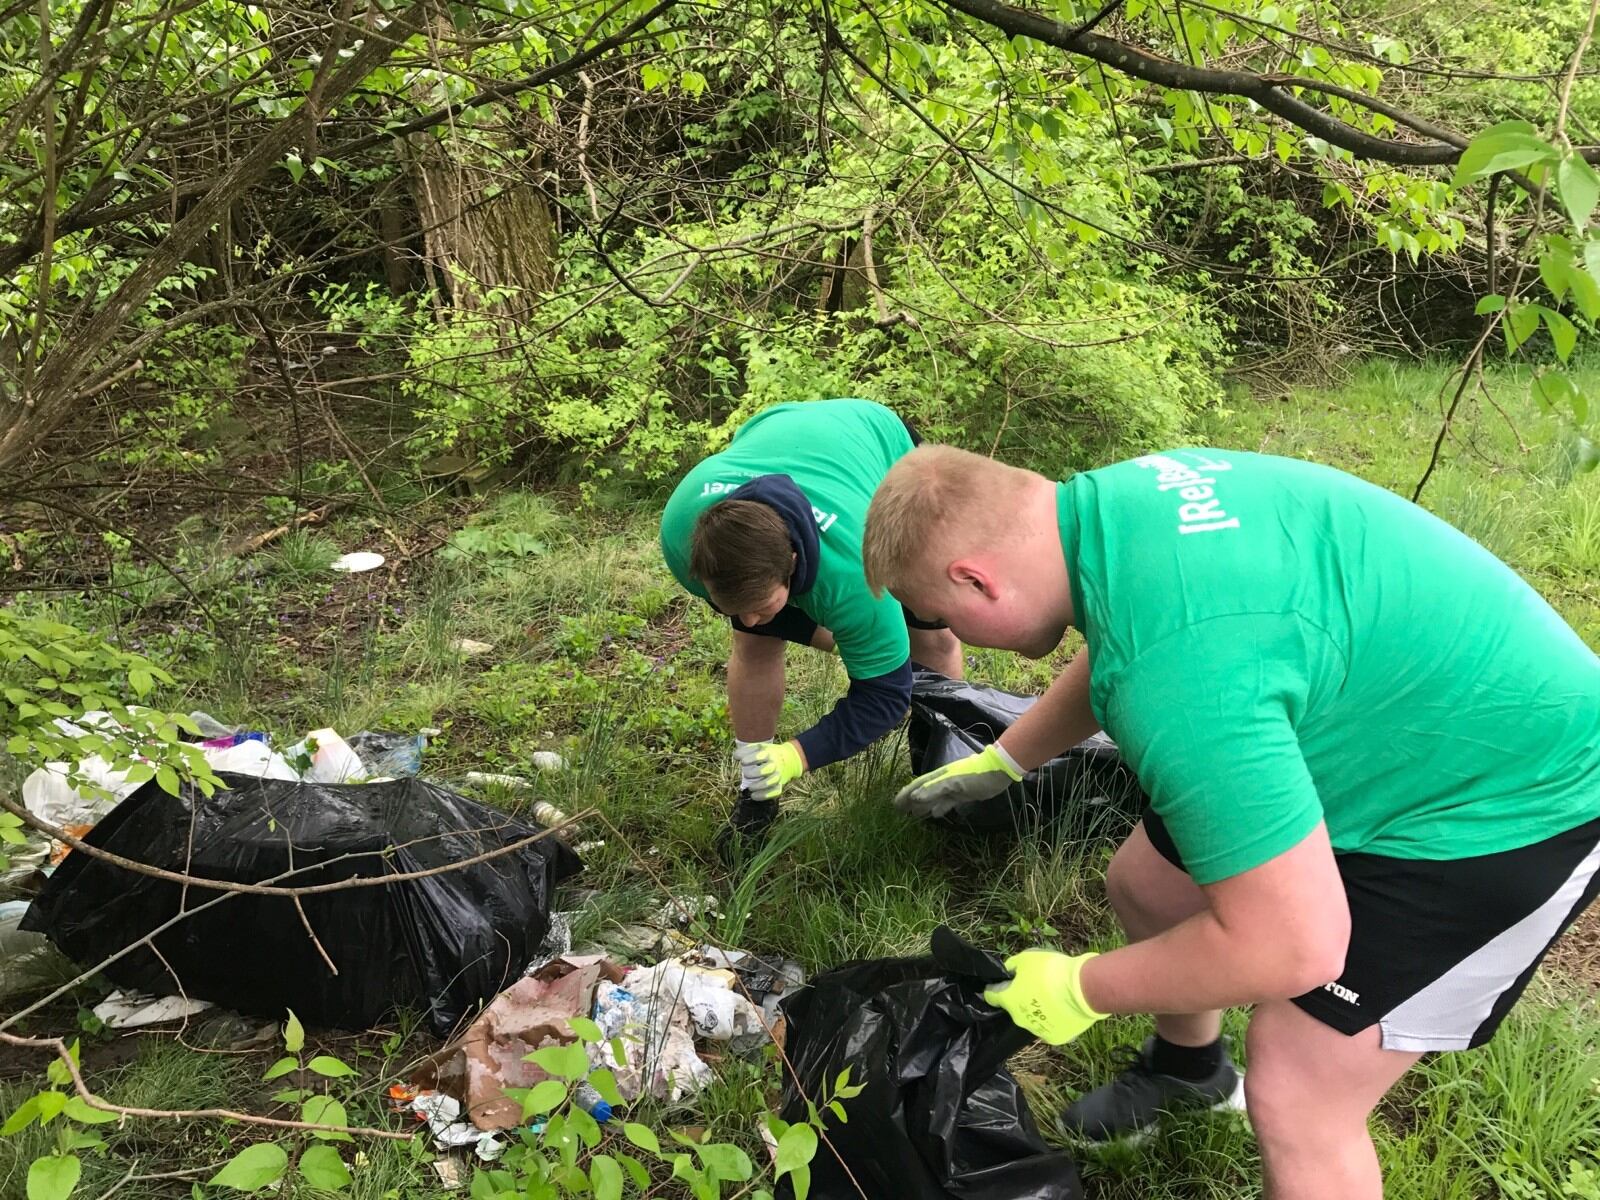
x=598 y=655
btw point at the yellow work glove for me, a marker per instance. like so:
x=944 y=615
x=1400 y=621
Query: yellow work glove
x=965 y=781
x=766 y=768
x=1044 y=995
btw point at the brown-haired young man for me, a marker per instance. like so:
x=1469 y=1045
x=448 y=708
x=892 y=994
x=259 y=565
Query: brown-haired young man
x=1372 y=754
x=769 y=532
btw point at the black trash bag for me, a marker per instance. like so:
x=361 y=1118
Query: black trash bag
x=940 y=1116
x=1087 y=789
x=444 y=945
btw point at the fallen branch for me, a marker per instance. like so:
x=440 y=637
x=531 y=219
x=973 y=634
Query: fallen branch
x=261 y=889
x=314 y=516
x=185 y=1114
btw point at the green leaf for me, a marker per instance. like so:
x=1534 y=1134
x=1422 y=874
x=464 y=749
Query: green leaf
x=332 y=1068
x=27 y=1113
x=545 y=1096
x=54 y=1177
x=77 y=1109
x=800 y=1180
x=1519 y=323
x=294 y=1034
x=692 y=82
x=653 y=76
x=642 y=1136
x=1579 y=185
x=564 y=1062
x=726 y=1162
x=252 y=1168
x=1505 y=147
x=51 y=1105
x=1585 y=454
x=636 y=1171
x=586 y=1029
x=1585 y=292
x=81 y=1139
x=604 y=1082
x=619 y=1052
x=585 y=1126
x=1553 y=390
x=167 y=779
x=1490 y=304
x=325 y=1110
x=322 y=1167
x=606 y=1177
x=1554 y=267
x=140 y=682
x=796 y=1148
x=1562 y=332
x=282 y=1067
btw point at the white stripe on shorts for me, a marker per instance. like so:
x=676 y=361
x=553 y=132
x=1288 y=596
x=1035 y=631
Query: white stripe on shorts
x=1445 y=1014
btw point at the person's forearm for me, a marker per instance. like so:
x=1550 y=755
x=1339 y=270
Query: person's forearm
x=755 y=692
x=1199 y=965
x=1058 y=720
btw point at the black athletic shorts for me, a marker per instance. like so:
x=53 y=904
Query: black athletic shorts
x=792 y=625
x=1440 y=951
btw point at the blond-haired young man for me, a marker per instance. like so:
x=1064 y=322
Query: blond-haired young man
x=769 y=532
x=1372 y=754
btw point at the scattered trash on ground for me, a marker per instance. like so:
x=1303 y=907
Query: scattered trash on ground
x=939 y=1115
x=470 y=647
x=443 y=944
x=357 y=560
x=390 y=755
x=28 y=962
x=952 y=718
x=134 y=1010
x=490 y=1056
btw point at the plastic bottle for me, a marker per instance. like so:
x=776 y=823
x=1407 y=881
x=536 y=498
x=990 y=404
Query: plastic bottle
x=548 y=814
x=591 y=1102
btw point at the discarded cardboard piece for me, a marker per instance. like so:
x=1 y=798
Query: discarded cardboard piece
x=533 y=1012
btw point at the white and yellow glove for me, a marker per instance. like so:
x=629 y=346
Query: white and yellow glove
x=965 y=781
x=766 y=768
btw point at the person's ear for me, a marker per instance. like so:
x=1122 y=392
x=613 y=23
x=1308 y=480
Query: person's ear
x=971 y=575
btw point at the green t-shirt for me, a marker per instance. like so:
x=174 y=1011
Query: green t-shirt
x=1276 y=643
x=837 y=452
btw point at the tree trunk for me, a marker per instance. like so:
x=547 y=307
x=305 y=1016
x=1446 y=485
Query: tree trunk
x=491 y=242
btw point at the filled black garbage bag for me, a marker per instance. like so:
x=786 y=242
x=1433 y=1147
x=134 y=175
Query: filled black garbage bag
x=444 y=944
x=940 y=1115
x=1089 y=788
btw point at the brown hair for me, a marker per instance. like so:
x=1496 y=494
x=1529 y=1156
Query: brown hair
x=932 y=502
x=740 y=551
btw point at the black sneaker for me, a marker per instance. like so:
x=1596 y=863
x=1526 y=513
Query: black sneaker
x=747 y=827
x=1130 y=1104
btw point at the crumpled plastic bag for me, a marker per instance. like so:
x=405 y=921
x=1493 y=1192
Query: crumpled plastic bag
x=939 y=1116
x=646 y=1011
x=1088 y=789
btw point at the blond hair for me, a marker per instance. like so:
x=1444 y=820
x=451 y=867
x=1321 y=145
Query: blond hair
x=932 y=503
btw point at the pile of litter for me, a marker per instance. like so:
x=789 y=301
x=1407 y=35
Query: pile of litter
x=324 y=812
x=938 y=1115
x=670 y=1019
